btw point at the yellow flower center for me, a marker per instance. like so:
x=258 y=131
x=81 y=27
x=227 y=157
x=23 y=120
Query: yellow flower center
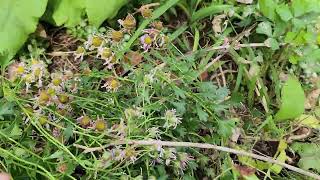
x=100 y=125
x=85 y=121
x=44 y=97
x=148 y=40
x=56 y=81
x=106 y=53
x=96 y=41
x=129 y=22
x=146 y=12
x=114 y=84
x=43 y=120
x=37 y=72
x=80 y=50
x=63 y=98
x=20 y=70
x=51 y=91
x=117 y=36
x=28 y=78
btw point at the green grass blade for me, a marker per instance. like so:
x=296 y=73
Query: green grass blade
x=208 y=11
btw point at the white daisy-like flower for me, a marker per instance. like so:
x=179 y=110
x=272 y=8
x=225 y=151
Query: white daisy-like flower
x=108 y=56
x=172 y=120
x=94 y=42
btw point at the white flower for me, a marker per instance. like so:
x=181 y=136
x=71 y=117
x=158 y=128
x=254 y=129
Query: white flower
x=79 y=53
x=184 y=158
x=38 y=70
x=133 y=112
x=154 y=132
x=107 y=55
x=172 y=120
x=94 y=42
x=111 y=84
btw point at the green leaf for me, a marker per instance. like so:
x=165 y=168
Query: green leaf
x=203 y=116
x=301 y=7
x=210 y=10
x=225 y=127
x=273 y=43
x=68 y=132
x=18 y=18
x=309 y=121
x=264 y=28
x=67 y=12
x=284 y=12
x=292 y=100
x=70 y=12
x=4 y=59
x=267 y=8
x=100 y=10
x=6 y=108
x=309 y=155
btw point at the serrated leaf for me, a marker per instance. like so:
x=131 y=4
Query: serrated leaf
x=292 y=100
x=203 y=116
x=268 y=7
x=284 y=12
x=225 y=127
x=100 y=10
x=18 y=18
x=309 y=155
x=264 y=28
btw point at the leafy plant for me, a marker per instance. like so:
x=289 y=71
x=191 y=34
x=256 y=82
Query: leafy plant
x=17 y=20
x=292 y=98
x=309 y=154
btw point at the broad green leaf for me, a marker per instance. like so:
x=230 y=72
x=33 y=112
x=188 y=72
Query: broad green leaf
x=70 y=12
x=284 y=12
x=264 y=28
x=100 y=10
x=301 y=7
x=268 y=8
x=309 y=155
x=4 y=59
x=292 y=100
x=67 y=12
x=18 y=18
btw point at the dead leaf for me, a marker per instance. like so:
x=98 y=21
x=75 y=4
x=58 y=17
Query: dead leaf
x=235 y=134
x=244 y=170
x=312 y=99
x=133 y=57
x=41 y=32
x=203 y=76
x=245 y=1
x=217 y=23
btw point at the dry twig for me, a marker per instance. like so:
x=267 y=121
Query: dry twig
x=203 y=146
